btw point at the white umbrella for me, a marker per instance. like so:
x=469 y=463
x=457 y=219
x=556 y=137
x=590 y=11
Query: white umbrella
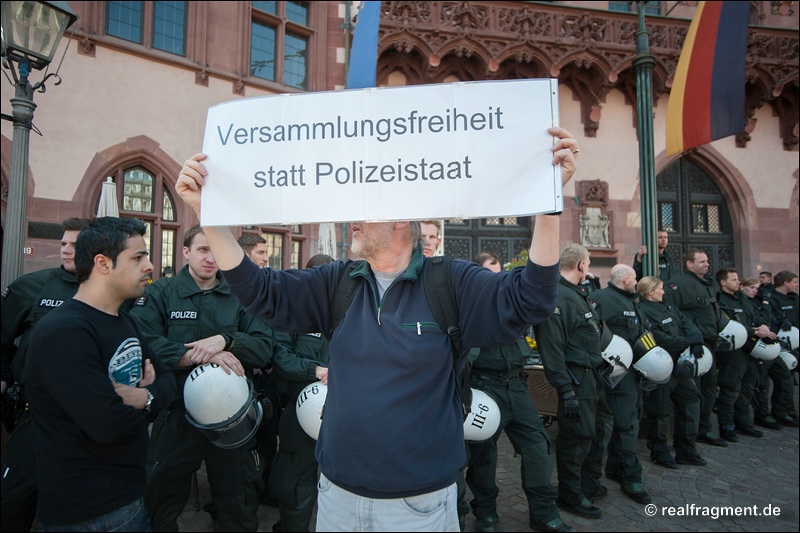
x=327 y=239
x=108 y=206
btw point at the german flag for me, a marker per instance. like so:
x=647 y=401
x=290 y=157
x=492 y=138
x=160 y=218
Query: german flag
x=707 y=98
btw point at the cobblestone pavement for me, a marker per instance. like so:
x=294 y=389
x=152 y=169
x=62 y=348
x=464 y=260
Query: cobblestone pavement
x=750 y=474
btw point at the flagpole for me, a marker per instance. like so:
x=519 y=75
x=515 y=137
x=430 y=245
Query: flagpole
x=643 y=67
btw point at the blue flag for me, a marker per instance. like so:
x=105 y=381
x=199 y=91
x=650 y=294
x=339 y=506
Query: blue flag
x=364 y=52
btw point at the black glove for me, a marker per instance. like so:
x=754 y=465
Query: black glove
x=572 y=407
x=786 y=325
x=685 y=366
x=722 y=346
x=697 y=351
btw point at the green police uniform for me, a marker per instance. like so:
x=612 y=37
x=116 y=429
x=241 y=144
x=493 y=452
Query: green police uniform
x=617 y=308
x=24 y=303
x=569 y=343
x=731 y=365
x=783 y=307
x=674 y=332
x=761 y=395
x=752 y=318
x=294 y=472
x=696 y=298
x=497 y=370
x=666 y=267
x=174 y=311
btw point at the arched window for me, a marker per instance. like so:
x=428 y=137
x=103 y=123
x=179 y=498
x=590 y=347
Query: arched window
x=143 y=193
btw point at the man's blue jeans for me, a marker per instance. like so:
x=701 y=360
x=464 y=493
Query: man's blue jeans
x=341 y=510
x=131 y=517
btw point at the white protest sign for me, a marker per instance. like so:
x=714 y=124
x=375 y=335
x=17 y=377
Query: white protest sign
x=461 y=150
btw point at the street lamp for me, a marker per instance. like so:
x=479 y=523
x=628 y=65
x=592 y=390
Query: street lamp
x=643 y=67
x=30 y=35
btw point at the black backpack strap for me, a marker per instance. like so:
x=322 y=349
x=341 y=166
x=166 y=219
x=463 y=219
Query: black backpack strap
x=442 y=299
x=436 y=278
x=343 y=297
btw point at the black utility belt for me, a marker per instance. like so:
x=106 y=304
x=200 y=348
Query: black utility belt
x=498 y=377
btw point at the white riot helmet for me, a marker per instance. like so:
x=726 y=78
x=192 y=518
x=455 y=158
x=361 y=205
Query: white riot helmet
x=734 y=332
x=703 y=364
x=790 y=337
x=617 y=353
x=652 y=362
x=761 y=350
x=484 y=417
x=310 y=404
x=789 y=358
x=222 y=406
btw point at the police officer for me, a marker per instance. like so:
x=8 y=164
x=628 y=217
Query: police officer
x=694 y=295
x=617 y=306
x=757 y=325
x=766 y=286
x=255 y=248
x=569 y=343
x=188 y=320
x=732 y=364
x=786 y=312
x=674 y=332
x=666 y=267
x=24 y=303
x=294 y=472
x=761 y=411
x=497 y=370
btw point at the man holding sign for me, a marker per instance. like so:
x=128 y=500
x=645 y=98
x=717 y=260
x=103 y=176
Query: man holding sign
x=391 y=441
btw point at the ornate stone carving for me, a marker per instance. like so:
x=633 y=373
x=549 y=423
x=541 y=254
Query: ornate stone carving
x=201 y=78
x=591 y=51
x=593 y=192
x=86 y=47
x=594 y=228
x=465 y=16
x=238 y=87
x=781 y=8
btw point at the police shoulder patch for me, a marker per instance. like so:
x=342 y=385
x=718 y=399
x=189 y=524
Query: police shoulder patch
x=557 y=311
x=6 y=292
x=673 y=286
x=140 y=301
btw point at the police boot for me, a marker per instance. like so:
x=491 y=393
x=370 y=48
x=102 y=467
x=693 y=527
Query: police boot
x=728 y=433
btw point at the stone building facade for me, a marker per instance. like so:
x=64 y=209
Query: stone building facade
x=138 y=78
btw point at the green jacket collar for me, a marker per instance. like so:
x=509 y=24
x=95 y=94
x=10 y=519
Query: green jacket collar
x=187 y=287
x=580 y=289
x=631 y=295
x=69 y=277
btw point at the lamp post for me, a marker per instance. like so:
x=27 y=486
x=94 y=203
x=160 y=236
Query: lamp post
x=643 y=67
x=31 y=32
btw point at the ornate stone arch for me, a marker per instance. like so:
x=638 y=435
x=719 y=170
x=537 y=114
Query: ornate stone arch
x=733 y=186
x=153 y=173
x=587 y=75
x=411 y=63
x=142 y=150
x=465 y=48
x=525 y=57
x=464 y=67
